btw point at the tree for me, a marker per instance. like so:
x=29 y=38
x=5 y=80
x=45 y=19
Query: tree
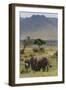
x=39 y=42
x=26 y=43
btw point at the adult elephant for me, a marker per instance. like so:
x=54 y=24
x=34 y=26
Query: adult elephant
x=37 y=65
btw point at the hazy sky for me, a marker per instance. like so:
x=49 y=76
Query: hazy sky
x=29 y=14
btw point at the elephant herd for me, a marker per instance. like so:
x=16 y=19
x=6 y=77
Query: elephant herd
x=37 y=64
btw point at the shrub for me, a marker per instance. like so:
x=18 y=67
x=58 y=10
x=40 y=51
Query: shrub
x=24 y=71
x=25 y=56
x=42 y=49
x=30 y=55
x=21 y=51
x=21 y=59
x=35 y=50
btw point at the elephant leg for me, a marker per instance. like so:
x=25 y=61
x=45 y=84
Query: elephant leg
x=47 y=68
x=43 y=68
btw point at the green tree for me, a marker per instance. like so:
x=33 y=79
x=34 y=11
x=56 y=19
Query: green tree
x=39 y=42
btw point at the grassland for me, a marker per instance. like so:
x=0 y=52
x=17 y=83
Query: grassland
x=49 y=53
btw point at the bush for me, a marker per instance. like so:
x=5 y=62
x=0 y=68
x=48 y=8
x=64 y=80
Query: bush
x=21 y=51
x=25 y=56
x=31 y=55
x=24 y=71
x=42 y=49
x=22 y=59
x=35 y=50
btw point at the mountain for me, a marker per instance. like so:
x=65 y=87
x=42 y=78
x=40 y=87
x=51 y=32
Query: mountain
x=38 y=26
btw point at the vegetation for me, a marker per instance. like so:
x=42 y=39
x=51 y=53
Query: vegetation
x=26 y=42
x=39 y=42
x=49 y=52
x=27 y=52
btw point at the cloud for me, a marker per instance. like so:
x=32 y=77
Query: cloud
x=29 y=14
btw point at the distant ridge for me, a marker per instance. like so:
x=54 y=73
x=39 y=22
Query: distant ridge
x=39 y=26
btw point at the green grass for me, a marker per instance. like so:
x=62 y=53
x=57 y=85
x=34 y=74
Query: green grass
x=48 y=52
x=39 y=74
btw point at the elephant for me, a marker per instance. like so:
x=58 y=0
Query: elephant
x=37 y=65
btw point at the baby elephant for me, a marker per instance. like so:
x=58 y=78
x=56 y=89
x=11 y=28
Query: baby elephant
x=27 y=64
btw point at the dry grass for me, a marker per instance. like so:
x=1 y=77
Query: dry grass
x=48 y=52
